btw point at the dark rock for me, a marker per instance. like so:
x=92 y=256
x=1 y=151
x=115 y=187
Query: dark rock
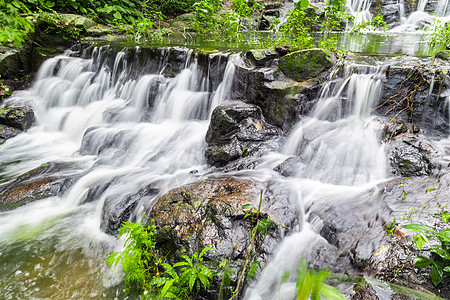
x=289 y=167
x=7 y=132
x=410 y=156
x=444 y=54
x=117 y=209
x=283 y=50
x=412 y=95
x=281 y=100
x=48 y=180
x=10 y=62
x=305 y=64
x=261 y=57
x=365 y=293
x=236 y=129
x=272 y=12
x=18 y=117
x=393 y=129
x=176 y=62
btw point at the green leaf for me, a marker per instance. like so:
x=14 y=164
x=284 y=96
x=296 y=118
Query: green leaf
x=422 y=262
x=436 y=273
x=329 y=292
x=207 y=249
x=420 y=240
x=302 y=272
x=430 y=189
x=444 y=235
x=192 y=279
x=419 y=228
x=304 y=3
x=204 y=280
x=285 y=277
x=117 y=15
x=166 y=287
x=205 y=271
x=247 y=206
x=447 y=270
x=253 y=269
x=445 y=216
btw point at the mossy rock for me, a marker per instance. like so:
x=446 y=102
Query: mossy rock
x=305 y=64
x=444 y=54
x=21 y=118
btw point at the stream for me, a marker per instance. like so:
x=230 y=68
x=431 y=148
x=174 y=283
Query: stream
x=119 y=121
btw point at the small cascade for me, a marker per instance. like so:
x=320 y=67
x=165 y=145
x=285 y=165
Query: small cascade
x=360 y=10
x=338 y=143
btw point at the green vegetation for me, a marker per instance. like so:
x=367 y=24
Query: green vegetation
x=149 y=273
x=439 y=34
x=439 y=260
x=311 y=284
x=15 y=24
x=376 y=23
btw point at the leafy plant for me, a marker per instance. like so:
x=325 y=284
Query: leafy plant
x=143 y=266
x=440 y=266
x=439 y=34
x=15 y=22
x=376 y=23
x=311 y=284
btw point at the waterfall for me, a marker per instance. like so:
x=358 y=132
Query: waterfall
x=339 y=155
x=121 y=121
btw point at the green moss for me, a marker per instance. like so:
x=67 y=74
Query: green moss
x=305 y=64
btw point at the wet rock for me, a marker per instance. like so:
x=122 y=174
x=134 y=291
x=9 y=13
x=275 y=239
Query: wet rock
x=412 y=95
x=210 y=213
x=48 y=180
x=393 y=129
x=281 y=100
x=410 y=156
x=176 y=62
x=261 y=57
x=444 y=54
x=357 y=244
x=10 y=62
x=236 y=129
x=118 y=209
x=365 y=293
x=289 y=167
x=21 y=118
x=7 y=132
x=305 y=64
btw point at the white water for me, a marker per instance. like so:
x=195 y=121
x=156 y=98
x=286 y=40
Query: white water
x=70 y=95
x=137 y=143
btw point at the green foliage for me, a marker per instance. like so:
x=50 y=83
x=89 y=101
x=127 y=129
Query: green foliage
x=142 y=266
x=439 y=34
x=172 y=7
x=376 y=23
x=15 y=23
x=311 y=284
x=440 y=266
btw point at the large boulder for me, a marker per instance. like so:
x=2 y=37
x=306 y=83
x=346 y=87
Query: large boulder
x=305 y=64
x=7 y=132
x=237 y=129
x=21 y=118
x=211 y=213
x=281 y=99
x=10 y=62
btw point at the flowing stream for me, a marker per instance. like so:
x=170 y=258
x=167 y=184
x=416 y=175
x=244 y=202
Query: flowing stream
x=121 y=124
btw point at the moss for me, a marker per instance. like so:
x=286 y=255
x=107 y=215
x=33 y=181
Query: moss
x=305 y=64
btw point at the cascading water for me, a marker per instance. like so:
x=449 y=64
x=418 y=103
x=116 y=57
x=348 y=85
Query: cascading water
x=339 y=156
x=143 y=129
